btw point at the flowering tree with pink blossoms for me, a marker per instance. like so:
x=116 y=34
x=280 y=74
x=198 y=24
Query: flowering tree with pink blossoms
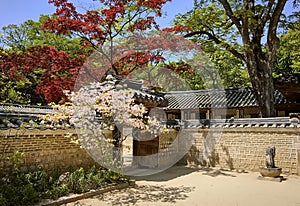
x=98 y=107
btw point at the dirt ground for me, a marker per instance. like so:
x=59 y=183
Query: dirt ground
x=204 y=187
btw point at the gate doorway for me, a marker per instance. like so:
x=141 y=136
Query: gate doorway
x=145 y=152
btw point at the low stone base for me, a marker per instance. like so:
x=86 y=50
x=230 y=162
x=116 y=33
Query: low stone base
x=274 y=179
x=270 y=172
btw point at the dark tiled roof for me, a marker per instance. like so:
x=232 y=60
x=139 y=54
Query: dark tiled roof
x=16 y=116
x=20 y=109
x=289 y=85
x=29 y=117
x=274 y=122
x=288 y=78
x=227 y=98
x=141 y=94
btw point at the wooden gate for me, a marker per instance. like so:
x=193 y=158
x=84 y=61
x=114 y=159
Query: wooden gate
x=145 y=150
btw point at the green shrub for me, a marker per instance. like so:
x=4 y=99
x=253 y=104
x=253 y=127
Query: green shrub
x=17 y=194
x=40 y=180
x=3 y=200
x=57 y=191
x=94 y=178
x=77 y=181
x=19 y=188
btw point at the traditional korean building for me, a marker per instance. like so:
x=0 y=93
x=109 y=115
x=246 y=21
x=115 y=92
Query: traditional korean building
x=45 y=142
x=44 y=139
x=289 y=86
x=184 y=105
x=219 y=104
x=15 y=116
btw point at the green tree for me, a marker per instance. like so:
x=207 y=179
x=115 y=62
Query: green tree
x=241 y=27
x=231 y=69
x=29 y=34
x=288 y=54
x=20 y=91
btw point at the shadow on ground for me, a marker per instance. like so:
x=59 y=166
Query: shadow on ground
x=149 y=193
x=144 y=193
x=169 y=174
x=158 y=193
x=178 y=171
x=216 y=172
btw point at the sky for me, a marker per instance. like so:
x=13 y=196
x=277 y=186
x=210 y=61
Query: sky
x=18 y=11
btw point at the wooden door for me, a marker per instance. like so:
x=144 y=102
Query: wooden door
x=145 y=150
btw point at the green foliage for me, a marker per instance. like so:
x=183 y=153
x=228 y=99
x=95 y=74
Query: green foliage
x=57 y=191
x=17 y=190
x=26 y=188
x=207 y=19
x=20 y=188
x=81 y=181
x=96 y=177
x=20 y=91
x=77 y=181
x=40 y=180
x=212 y=23
x=240 y=27
x=288 y=54
x=28 y=34
x=231 y=69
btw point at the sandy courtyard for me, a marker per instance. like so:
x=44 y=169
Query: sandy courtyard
x=204 y=187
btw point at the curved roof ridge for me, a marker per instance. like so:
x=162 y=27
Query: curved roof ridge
x=239 y=89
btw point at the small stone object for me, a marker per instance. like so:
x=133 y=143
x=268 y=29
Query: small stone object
x=270 y=170
x=63 y=179
x=270 y=155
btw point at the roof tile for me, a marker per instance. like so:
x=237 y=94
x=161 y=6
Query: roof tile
x=221 y=98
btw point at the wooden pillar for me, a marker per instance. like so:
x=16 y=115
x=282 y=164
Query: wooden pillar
x=182 y=114
x=208 y=114
x=237 y=113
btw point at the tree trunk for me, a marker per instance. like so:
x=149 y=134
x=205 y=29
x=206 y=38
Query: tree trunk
x=260 y=72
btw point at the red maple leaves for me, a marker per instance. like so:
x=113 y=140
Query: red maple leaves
x=58 y=69
x=96 y=28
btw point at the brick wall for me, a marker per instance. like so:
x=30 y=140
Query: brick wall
x=51 y=149
x=243 y=148
x=233 y=148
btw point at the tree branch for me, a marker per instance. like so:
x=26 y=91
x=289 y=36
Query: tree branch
x=243 y=30
x=217 y=41
x=230 y=14
x=272 y=39
x=263 y=18
x=245 y=24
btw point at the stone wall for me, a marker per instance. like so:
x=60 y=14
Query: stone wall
x=243 y=148
x=231 y=148
x=52 y=149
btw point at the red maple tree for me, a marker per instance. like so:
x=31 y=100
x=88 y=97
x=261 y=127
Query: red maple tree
x=117 y=19
x=98 y=29
x=59 y=70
